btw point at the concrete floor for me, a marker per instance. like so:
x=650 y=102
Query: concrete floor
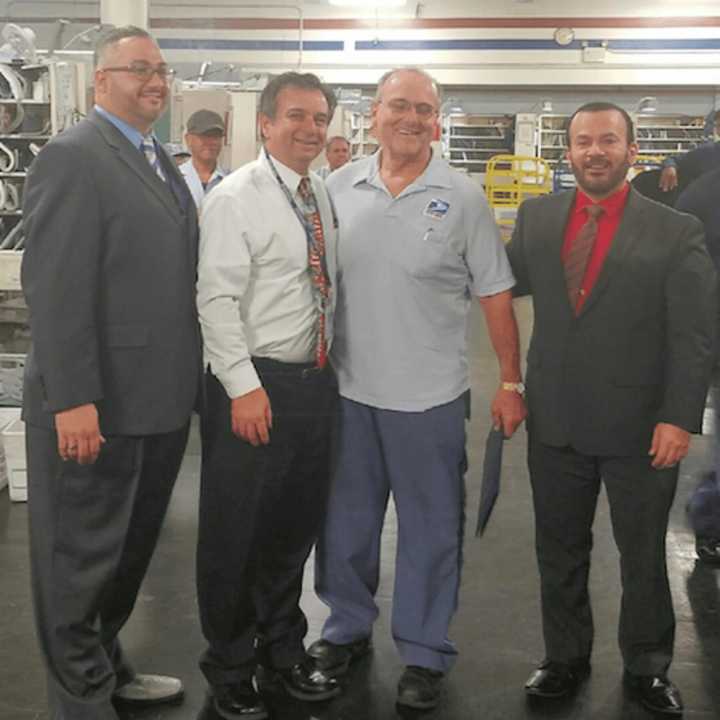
x=497 y=628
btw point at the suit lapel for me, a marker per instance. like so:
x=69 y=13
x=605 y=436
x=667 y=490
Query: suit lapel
x=136 y=162
x=623 y=240
x=554 y=224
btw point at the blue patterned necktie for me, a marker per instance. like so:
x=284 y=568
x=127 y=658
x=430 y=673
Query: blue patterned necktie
x=148 y=148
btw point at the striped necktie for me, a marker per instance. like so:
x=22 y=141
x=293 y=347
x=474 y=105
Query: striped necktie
x=576 y=260
x=316 y=260
x=148 y=148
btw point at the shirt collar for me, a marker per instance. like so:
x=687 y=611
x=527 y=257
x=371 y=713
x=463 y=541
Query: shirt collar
x=287 y=175
x=436 y=174
x=187 y=168
x=132 y=134
x=612 y=205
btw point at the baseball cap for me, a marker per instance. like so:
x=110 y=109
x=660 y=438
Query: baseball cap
x=203 y=121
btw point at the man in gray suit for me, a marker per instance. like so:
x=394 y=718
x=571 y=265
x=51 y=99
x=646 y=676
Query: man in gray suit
x=619 y=363
x=112 y=377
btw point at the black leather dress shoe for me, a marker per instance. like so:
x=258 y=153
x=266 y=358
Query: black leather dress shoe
x=305 y=681
x=656 y=693
x=708 y=550
x=334 y=659
x=555 y=679
x=419 y=687
x=238 y=702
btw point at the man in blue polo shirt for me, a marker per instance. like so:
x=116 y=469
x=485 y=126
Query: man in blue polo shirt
x=417 y=241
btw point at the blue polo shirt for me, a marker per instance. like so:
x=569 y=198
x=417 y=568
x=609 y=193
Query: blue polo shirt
x=408 y=268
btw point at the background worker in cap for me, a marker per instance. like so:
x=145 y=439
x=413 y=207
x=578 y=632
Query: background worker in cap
x=178 y=153
x=204 y=139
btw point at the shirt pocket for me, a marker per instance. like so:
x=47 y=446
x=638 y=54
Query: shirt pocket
x=427 y=252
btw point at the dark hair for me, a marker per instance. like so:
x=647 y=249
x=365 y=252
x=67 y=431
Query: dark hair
x=304 y=81
x=601 y=106
x=114 y=36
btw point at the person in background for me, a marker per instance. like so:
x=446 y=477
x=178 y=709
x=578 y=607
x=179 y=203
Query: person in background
x=679 y=171
x=337 y=152
x=618 y=368
x=204 y=140
x=112 y=377
x=701 y=199
x=177 y=152
x=266 y=293
x=417 y=243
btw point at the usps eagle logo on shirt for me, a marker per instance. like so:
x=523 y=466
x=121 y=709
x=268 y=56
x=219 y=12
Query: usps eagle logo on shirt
x=437 y=209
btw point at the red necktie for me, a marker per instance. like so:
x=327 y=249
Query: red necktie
x=579 y=253
x=316 y=256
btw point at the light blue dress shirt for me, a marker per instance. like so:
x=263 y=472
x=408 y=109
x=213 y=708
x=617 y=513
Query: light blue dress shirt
x=131 y=133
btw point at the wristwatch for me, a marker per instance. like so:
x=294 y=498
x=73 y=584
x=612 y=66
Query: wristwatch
x=517 y=387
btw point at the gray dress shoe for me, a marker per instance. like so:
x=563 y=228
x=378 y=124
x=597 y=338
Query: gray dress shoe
x=150 y=690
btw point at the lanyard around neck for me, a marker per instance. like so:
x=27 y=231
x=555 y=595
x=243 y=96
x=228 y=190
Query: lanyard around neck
x=307 y=225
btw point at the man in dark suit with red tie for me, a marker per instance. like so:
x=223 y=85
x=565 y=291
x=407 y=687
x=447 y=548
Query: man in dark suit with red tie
x=618 y=367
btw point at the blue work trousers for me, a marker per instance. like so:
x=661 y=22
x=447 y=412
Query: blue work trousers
x=420 y=458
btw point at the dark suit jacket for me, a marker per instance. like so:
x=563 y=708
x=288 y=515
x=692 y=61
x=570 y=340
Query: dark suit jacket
x=109 y=276
x=641 y=350
x=692 y=165
x=702 y=199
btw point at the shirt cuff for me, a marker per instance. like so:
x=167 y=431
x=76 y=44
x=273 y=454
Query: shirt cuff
x=240 y=380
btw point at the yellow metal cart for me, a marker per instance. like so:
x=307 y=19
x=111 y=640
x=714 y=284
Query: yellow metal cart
x=509 y=180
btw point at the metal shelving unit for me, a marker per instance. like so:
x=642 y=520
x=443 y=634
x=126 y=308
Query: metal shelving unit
x=661 y=135
x=362 y=143
x=550 y=138
x=469 y=141
x=52 y=102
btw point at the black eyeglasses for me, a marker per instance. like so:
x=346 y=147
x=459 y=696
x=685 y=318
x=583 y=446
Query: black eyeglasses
x=402 y=107
x=144 y=71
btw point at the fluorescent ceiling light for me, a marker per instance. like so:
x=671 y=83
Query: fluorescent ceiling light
x=368 y=3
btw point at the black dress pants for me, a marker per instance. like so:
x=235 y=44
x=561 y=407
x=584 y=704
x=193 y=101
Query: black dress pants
x=93 y=529
x=565 y=487
x=260 y=513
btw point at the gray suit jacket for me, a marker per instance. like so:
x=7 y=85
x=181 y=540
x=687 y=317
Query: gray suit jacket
x=109 y=275
x=642 y=348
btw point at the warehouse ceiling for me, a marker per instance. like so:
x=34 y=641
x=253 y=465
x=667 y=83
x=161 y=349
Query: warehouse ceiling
x=411 y=8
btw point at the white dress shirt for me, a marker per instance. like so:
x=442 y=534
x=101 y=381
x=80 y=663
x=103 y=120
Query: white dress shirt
x=255 y=295
x=194 y=183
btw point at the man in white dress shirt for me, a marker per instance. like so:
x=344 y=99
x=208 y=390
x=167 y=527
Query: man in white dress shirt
x=204 y=140
x=265 y=299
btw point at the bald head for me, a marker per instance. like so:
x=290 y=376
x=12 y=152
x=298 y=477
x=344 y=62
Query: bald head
x=397 y=74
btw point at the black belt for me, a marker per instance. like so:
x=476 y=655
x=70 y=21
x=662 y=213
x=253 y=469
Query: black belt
x=303 y=370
